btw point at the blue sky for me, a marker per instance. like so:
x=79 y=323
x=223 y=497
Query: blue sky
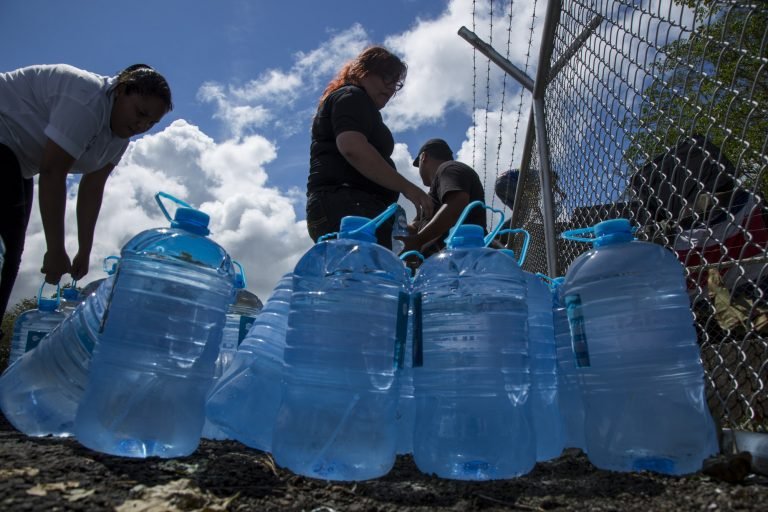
x=245 y=76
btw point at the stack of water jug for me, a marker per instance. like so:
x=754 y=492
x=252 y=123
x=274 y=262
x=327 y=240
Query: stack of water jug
x=476 y=367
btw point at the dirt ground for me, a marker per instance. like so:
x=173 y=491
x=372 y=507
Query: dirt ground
x=59 y=474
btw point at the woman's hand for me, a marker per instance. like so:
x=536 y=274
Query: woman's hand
x=55 y=265
x=421 y=200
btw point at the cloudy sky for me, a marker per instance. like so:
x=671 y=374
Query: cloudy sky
x=246 y=76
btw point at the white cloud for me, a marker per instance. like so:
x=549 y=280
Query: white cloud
x=229 y=179
x=256 y=224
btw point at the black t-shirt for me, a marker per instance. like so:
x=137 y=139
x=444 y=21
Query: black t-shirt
x=455 y=176
x=349 y=108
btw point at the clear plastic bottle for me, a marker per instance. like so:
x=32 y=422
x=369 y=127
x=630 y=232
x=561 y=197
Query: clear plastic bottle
x=243 y=403
x=640 y=365
x=154 y=364
x=346 y=327
x=40 y=393
x=473 y=414
x=240 y=317
x=399 y=228
x=569 y=387
x=32 y=325
x=544 y=391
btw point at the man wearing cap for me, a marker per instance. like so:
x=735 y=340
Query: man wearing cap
x=452 y=186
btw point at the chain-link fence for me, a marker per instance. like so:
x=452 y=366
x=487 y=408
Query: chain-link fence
x=657 y=111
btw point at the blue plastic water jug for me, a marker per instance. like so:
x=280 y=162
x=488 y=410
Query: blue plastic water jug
x=32 y=325
x=473 y=414
x=346 y=330
x=544 y=395
x=569 y=387
x=243 y=403
x=39 y=394
x=70 y=299
x=240 y=317
x=109 y=267
x=154 y=364
x=638 y=357
x=406 y=411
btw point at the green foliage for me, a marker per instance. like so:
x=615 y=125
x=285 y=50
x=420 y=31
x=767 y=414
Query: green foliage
x=7 y=326
x=713 y=83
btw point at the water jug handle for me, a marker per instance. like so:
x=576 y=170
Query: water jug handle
x=58 y=293
x=412 y=253
x=327 y=236
x=110 y=268
x=491 y=235
x=574 y=235
x=239 y=276
x=175 y=200
x=526 y=242
x=377 y=221
x=383 y=216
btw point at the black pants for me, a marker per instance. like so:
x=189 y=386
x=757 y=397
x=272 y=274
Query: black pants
x=326 y=207
x=15 y=208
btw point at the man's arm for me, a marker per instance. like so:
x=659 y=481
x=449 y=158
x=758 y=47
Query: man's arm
x=52 y=196
x=449 y=212
x=89 y=197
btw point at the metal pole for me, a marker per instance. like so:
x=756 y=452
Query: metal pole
x=496 y=58
x=525 y=162
x=574 y=47
x=542 y=73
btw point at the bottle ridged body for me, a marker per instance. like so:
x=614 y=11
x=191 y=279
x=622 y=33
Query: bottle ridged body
x=244 y=401
x=569 y=388
x=473 y=417
x=643 y=386
x=240 y=318
x=30 y=328
x=39 y=395
x=544 y=391
x=339 y=395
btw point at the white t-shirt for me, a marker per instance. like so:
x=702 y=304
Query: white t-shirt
x=70 y=106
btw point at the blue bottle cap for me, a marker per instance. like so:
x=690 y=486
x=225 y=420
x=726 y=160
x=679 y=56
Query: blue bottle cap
x=191 y=220
x=350 y=226
x=70 y=293
x=466 y=235
x=613 y=231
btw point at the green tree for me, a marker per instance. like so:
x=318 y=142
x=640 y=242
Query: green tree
x=714 y=83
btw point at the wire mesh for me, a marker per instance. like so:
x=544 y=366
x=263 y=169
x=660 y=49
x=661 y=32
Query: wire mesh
x=660 y=116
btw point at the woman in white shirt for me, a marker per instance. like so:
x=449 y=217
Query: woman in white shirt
x=56 y=120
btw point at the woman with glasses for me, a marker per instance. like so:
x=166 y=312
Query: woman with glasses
x=351 y=171
x=56 y=120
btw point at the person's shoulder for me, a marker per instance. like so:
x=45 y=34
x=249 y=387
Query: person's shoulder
x=65 y=76
x=455 y=166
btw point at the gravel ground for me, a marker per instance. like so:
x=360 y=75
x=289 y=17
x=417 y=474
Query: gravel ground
x=59 y=474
